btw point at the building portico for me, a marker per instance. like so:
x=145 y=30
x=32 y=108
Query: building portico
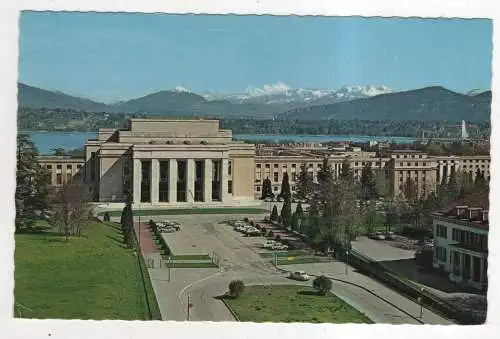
x=170 y=162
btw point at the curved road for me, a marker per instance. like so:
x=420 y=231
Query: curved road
x=239 y=260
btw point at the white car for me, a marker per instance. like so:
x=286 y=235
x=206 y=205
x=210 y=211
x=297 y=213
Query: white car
x=390 y=236
x=378 y=236
x=269 y=244
x=167 y=230
x=300 y=275
x=279 y=247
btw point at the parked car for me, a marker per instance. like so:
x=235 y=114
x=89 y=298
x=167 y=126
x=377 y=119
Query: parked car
x=167 y=230
x=300 y=275
x=269 y=244
x=252 y=231
x=390 y=236
x=377 y=236
x=279 y=247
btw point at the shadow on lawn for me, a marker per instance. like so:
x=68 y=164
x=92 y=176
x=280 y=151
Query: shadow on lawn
x=116 y=239
x=313 y=293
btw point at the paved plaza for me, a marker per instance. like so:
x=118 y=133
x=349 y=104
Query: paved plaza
x=380 y=251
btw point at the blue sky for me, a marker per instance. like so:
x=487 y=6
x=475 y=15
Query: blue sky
x=109 y=57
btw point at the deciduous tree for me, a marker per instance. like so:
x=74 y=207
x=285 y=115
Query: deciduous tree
x=72 y=208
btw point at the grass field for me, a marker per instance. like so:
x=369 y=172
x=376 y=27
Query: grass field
x=88 y=277
x=292 y=303
x=184 y=211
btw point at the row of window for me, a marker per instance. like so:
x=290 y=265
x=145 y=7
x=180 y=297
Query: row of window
x=285 y=165
x=275 y=188
x=69 y=166
x=463 y=236
x=470 y=238
x=424 y=164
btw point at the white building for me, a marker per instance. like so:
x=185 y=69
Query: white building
x=461 y=234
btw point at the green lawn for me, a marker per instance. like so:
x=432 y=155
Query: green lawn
x=184 y=211
x=300 y=260
x=88 y=277
x=292 y=303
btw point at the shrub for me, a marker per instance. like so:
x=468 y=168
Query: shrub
x=106 y=216
x=322 y=284
x=236 y=288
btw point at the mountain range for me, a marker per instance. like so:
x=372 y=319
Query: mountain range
x=282 y=102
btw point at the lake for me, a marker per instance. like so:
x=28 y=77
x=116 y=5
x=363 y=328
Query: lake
x=47 y=141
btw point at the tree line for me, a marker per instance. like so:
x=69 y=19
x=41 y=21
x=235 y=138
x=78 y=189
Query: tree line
x=73 y=120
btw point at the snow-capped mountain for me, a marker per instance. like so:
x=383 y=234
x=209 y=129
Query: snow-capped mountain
x=280 y=93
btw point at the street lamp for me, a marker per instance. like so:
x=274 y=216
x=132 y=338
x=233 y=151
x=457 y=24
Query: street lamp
x=346 y=262
x=421 y=303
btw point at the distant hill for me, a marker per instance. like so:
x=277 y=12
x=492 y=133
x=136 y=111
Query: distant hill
x=486 y=95
x=161 y=102
x=34 y=97
x=430 y=103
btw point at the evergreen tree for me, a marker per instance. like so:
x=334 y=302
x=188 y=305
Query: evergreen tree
x=313 y=222
x=295 y=221
x=480 y=181
x=32 y=183
x=299 y=210
x=368 y=184
x=453 y=187
x=346 y=172
x=274 y=214
x=267 y=190
x=285 y=188
x=382 y=186
x=326 y=186
x=325 y=175
x=286 y=214
x=305 y=185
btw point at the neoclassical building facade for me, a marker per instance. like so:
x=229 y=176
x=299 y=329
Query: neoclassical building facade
x=166 y=161
x=158 y=161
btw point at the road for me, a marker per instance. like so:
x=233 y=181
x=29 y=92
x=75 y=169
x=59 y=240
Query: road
x=240 y=260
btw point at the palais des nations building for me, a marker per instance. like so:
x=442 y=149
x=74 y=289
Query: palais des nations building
x=163 y=162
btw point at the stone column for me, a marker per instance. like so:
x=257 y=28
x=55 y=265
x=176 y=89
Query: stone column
x=440 y=179
x=461 y=256
x=137 y=180
x=172 y=180
x=155 y=180
x=207 y=180
x=224 y=179
x=190 y=178
x=481 y=271
x=471 y=268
